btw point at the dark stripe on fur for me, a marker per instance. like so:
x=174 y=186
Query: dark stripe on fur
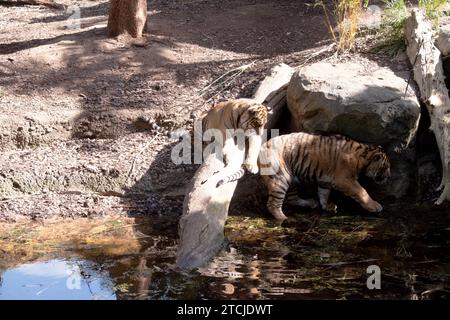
x=232 y=177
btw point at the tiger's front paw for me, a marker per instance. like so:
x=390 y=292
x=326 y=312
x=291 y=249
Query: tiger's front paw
x=251 y=167
x=375 y=207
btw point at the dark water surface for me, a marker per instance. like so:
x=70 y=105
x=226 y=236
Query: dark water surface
x=313 y=256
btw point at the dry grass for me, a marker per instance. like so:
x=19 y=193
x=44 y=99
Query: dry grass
x=347 y=15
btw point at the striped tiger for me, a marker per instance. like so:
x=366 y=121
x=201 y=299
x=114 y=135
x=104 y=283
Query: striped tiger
x=245 y=114
x=333 y=162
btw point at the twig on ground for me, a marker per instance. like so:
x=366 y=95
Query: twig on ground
x=318 y=53
x=426 y=262
x=232 y=75
x=140 y=152
x=311 y=227
x=225 y=86
x=439 y=288
x=114 y=229
x=346 y=263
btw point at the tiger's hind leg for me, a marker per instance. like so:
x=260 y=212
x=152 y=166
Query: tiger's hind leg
x=294 y=199
x=309 y=203
x=277 y=187
x=324 y=194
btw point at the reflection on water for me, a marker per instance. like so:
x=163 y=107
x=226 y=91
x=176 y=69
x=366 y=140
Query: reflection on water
x=55 y=279
x=313 y=256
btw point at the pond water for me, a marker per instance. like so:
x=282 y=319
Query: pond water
x=313 y=256
x=55 y=279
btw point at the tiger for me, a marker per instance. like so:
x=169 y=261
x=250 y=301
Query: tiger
x=246 y=114
x=333 y=162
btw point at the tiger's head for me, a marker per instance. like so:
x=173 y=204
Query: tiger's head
x=254 y=117
x=379 y=167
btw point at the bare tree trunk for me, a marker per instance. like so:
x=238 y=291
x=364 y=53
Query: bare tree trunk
x=430 y=78
x=127 y=17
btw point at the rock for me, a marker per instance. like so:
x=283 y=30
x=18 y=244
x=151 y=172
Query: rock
x=272 y=92
x=443 y=39
x=446 y=67
x=368 y=105
x=91 y=168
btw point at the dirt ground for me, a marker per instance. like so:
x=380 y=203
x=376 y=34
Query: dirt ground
x=71 y=98
x=48 y=66
x=84 y=119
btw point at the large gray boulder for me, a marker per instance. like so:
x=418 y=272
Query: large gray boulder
x=443 y=36
x=363 y=101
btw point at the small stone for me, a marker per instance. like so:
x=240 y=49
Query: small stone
x=114 y=173
x=91 y=168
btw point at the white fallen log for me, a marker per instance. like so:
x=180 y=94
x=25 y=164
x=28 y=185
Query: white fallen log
x=429 y=76
x=205 y=210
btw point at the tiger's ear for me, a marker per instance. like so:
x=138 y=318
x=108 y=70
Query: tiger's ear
x=259 y=105
x=377 y=157
x=253 y=109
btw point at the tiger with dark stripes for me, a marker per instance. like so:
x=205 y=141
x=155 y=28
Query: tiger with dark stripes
x=231 y=115
x=333 y=162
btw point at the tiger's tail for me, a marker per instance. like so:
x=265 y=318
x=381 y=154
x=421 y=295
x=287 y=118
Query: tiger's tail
x=231 y=178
